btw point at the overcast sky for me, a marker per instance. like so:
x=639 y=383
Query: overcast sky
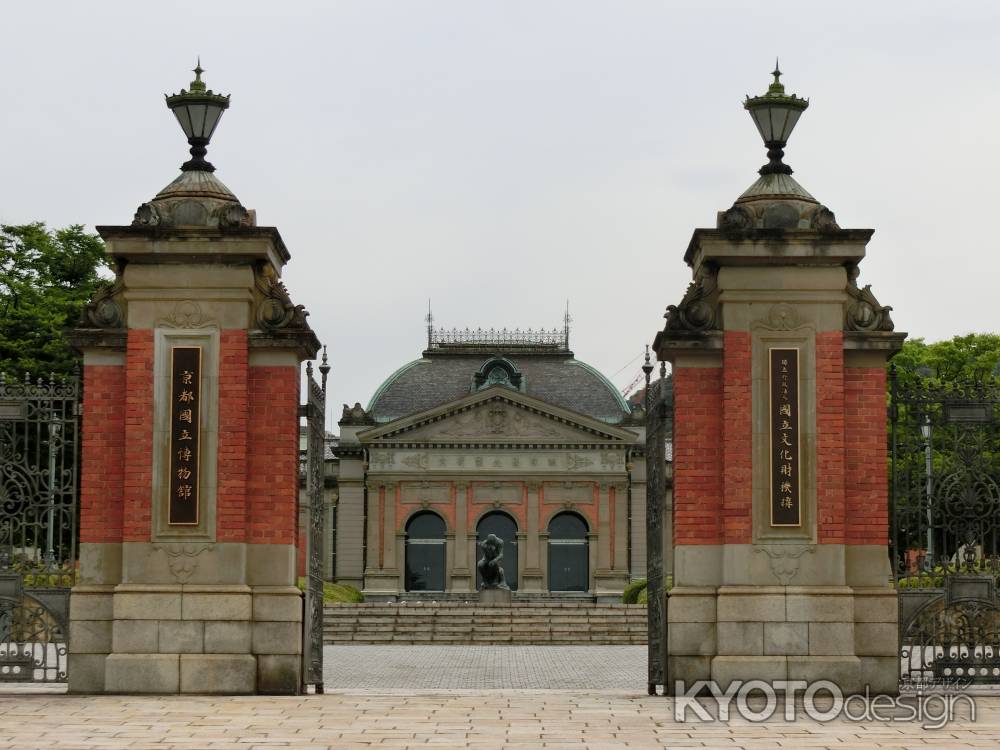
x=500 y=158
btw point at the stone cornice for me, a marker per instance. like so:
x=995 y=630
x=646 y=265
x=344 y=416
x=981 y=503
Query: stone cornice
x=303 y=341
x=760 y=246
x=98 y=338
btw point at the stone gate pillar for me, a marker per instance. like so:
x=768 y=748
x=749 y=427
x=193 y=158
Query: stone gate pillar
x=781 y=569
x=190 y=476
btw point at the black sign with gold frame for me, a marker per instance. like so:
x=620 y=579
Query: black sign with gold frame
x=185 y=435
x=785 y=445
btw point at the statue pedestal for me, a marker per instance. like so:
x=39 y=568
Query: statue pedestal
x=495 y=597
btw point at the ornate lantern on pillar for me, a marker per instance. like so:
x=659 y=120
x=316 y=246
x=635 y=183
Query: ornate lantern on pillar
x=775 y=115
x=198 y=111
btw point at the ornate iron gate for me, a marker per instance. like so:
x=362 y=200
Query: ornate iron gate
x=945 y=482
x=38 y=533
x=312 y=640
x=657 y=424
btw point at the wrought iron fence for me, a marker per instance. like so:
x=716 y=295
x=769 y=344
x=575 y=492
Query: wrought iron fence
x=945 y=496
x=39 y=450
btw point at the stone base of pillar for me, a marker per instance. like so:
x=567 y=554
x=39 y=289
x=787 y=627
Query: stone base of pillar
x=609 y=584
x=532 y=581
x=462 y=581
x=382 y=583
x=196 y=639
x=839 y=633
x=495 y=597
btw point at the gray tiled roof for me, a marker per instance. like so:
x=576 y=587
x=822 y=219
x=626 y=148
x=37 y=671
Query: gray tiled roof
x=558 y=379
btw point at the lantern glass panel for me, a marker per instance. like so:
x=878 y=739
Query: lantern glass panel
x=212 y=116
x=197 y=114
x=181 y=113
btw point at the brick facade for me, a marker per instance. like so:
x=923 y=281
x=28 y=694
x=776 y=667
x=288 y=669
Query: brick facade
x=231 y=505
x=867 y=495
x=737 y=439
x=273 y=455
x=102 y=471
x=138 y=472
x=698 y=455
x=830 y=423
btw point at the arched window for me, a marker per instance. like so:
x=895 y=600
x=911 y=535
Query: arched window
x=569 y=554
x=425 y=553
x=505 y=527
x=498 y=371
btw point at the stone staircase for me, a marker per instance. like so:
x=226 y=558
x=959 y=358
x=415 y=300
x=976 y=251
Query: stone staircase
x=538 y=623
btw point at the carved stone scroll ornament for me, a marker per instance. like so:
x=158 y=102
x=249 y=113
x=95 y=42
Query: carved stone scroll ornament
x=824 y=221
x=274 y=307
x=186 y=314
x=104 y=310
x=697 y=310
x=785 y=560
x=781 y=317
x=182 y=560
x=862 y=311
x=737 y=218
x=354 y=415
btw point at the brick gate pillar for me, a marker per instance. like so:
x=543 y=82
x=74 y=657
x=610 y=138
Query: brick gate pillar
x=190 y=479
x=781 y=567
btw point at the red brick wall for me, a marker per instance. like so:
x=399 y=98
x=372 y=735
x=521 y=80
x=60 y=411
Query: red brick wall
x=138 y=485
x=231 y=510
x=102 y=472
x=867 y=494
x=737 y=437
x=698 y=482
x=273 y=455
x=830 y=437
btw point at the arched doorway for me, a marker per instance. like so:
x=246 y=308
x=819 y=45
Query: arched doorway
x=425 y=553
x=569 y=554
x=505 y=527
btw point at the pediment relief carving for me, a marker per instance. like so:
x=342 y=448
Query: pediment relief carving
x=495 y=421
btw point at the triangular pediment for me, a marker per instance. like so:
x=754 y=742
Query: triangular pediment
x=497 y=415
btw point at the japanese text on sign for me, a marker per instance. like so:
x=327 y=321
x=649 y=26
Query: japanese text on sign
x=784 y=434
x=185 y=435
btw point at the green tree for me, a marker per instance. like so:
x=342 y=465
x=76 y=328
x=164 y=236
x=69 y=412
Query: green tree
x=974 y=356
x=46 y=277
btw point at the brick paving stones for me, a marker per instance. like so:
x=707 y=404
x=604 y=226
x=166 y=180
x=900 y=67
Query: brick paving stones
x=485 y=667
x=404 y=716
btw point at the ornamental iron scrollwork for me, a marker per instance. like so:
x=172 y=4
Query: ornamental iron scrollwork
x=945 y=495
x=39 y=450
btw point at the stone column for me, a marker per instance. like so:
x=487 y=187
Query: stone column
x=608 y=582
x=460 y=580
x=531 y=573
x=758 y=595
x=381 y=577
x=189 y=511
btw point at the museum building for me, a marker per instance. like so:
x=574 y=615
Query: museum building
x=500 y=432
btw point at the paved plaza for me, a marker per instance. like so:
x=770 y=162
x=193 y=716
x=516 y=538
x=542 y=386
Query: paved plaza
x=488 y=697
x=490 y=720
x=485 y=667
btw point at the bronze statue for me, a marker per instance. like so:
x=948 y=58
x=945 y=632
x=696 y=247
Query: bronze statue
x=489 y=563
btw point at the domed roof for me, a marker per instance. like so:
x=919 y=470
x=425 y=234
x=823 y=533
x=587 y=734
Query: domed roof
x=558 y=379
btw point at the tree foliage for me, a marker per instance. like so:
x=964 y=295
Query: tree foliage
x=46 y=276
x=974 y=356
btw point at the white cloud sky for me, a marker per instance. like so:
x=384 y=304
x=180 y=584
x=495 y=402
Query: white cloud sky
x=501 y=157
